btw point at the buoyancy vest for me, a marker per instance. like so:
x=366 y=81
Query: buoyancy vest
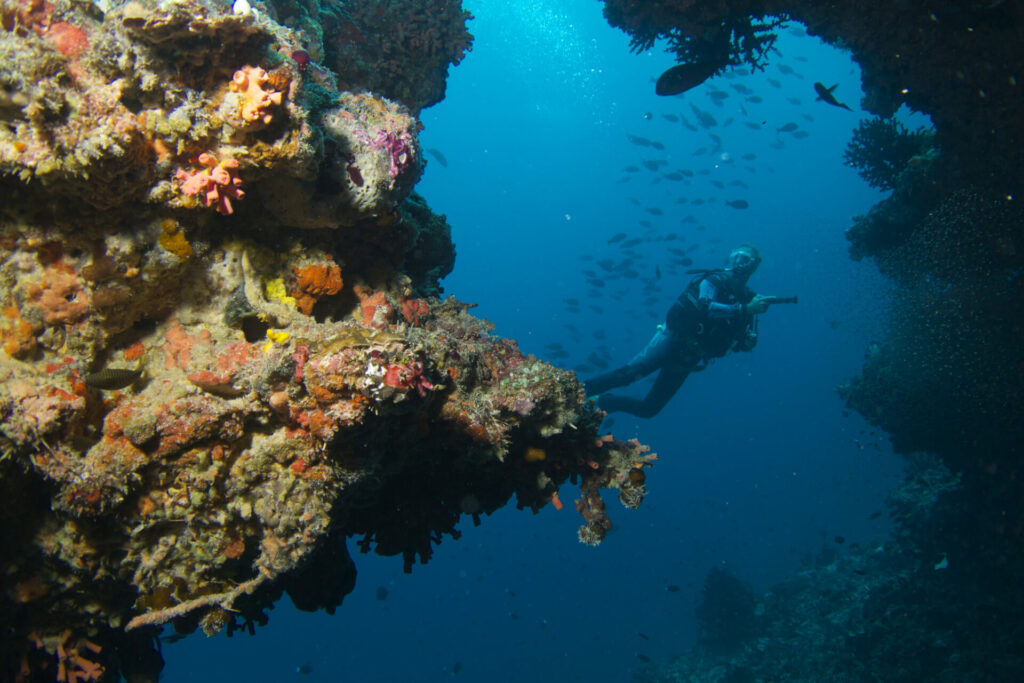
x=688 y=316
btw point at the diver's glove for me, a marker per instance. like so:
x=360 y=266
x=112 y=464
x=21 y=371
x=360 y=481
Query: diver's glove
x=758 y=305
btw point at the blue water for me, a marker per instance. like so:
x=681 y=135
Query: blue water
x=758 y=465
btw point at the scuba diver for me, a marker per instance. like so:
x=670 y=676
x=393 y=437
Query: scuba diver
x=714 y=314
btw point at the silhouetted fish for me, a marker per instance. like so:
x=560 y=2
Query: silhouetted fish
x=670 y=117
x=774 y=83
x=785 y=69
x=654 y=211
x=794 y=101
x=631 y=169
x=683 y=77
x=617 y=237
x=304 y=669
x=638 y=141
x=756 y=99
x=749 y=156
x=436 y=153
x=382 y=593
x=826 y=96
x=788 y=128
x=738 y=203
x=672 y=588
x=675 y=176
x=741 y=89
x=643 y=658
x=705 y=119
x=800 y=134
x=632 y=243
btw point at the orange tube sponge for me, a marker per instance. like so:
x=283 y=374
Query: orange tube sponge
x=256 y=94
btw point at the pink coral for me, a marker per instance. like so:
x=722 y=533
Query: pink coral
x=217 y=183
x=256 y=94
x=399 y=145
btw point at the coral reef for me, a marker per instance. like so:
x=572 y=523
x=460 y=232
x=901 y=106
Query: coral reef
x=399 y=48
x=205 y=390
x=913 y=608
x=881 y=149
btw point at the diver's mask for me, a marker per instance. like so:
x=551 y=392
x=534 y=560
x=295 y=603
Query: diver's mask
x=744 y=260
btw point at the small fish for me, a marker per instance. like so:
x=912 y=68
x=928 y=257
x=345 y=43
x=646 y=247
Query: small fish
x=738 y=183
x=643 y=658
x=840 y=539
x=800 y=134
x=752 y=125
x=304 y=669
x=719 y=184
x=749 y=156
x=826 y=96
x=382 y=593
x=741 y=89
x=436 y=153
x=653 y=164
x=632 y=243
x=657 y=145
x=672 y=588
x=796 y=101
x=705 y=119
x=571 y=302
x=876 y=514
x=605 y=423
x=638 y=141
x=718 y=94
x=738 y=203
x=109 y=379
x=457 y=667
x=788 y=127
x=683 y=77
x=670 y=117
x=617 y=237
x=785 y=69
x=675 y=176
x=631 y=169
x=774 y=83
x=755 y=99
x=654 y=211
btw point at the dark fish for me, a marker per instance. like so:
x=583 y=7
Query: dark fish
x=752 y=125
x=875 y=515
x=794 y=101
x=674 y=176
x=801 y=58
x=785 y=69
x=657 y=145
x=860 y=572
x=653 y=164
x=749 y=156
x=718 y=94
x=840 y=539
x=705 y=119
x=638 y=141
x=698 y=201
x=657 y=272
x=688 y=124
x=632 y=243
x=774 y=83
x=109 y=379
x=670 y=117
x=304 y=669
x=788 y=128
x=700 y=151
x=436 y=153
x=623 y=179
x=617 y=237
x=738 y=183
x=800 y=134
x=631 y=169
x=672 y=588
x=826 y=96
x=557 y=345
x=683 y=77
x=571 y=302
x=457 y=667
x=719 y=184
x=686 y=262
x=756 y=99
x=741 y=89
x=382 y=593
x=738 y=203
x=605 y=423
x=597 y=361
x=654 y=211
x=643 y=658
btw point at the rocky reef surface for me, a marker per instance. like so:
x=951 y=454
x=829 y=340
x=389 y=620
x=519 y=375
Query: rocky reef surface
x=224 y=349
x=946 y=379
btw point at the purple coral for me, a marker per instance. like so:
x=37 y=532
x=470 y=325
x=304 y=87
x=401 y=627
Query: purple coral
x=399 y=146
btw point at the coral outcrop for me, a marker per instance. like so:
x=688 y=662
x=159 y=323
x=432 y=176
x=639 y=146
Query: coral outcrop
x=224 y=347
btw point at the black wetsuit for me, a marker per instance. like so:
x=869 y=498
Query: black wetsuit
x=707 y=321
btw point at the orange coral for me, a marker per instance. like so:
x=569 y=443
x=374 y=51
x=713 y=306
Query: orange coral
x=172 y=238
x=72 y=664
x=60 y=296
x=217 y=183
x=17 y=334
x=314 y=282
x=414 y=310
x=256 y=100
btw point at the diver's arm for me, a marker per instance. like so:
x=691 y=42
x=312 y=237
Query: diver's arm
x=716 y=310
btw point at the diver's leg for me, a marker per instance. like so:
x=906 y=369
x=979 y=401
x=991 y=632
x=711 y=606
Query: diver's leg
x=644 y=363
x=665 y=387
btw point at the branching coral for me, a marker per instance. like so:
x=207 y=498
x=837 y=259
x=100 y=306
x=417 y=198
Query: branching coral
x=881 y=148
x=216 y=183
